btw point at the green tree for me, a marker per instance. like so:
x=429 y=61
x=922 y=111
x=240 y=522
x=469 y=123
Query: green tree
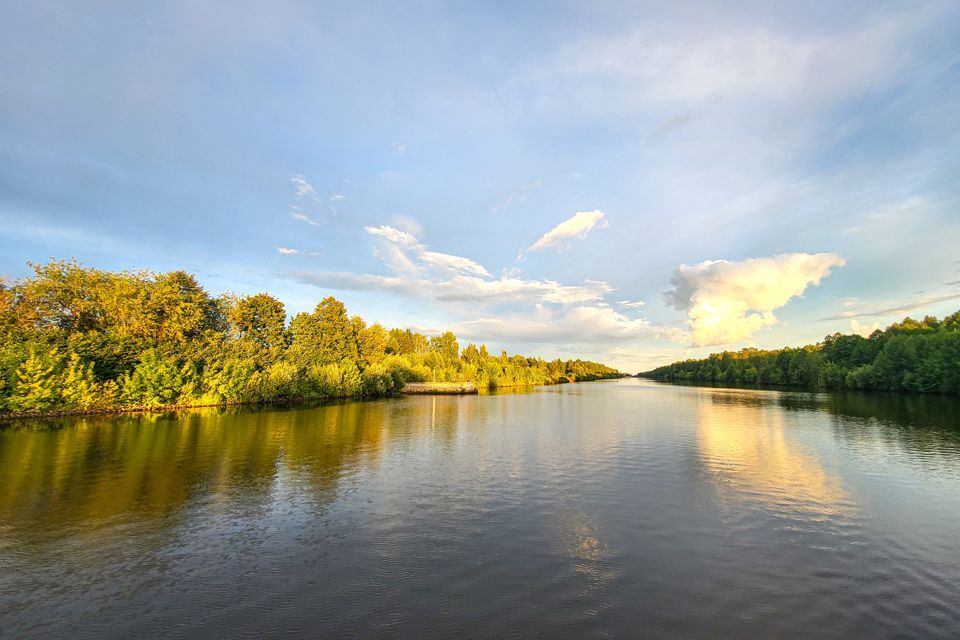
x=38 y=384
x=446 y=345
x=79 y=387
x=324 y=337
x=259 y=322
x=154 y=382
x=178 y=307
x=372 y=343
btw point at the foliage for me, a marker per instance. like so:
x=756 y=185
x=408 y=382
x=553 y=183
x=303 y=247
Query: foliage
x=76 y=338
x=79 y=388
x=38 y=384
x=916 y=356
x=154 y=382
x=258 y=323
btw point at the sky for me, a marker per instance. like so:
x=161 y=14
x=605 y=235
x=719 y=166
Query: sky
x=627 y=182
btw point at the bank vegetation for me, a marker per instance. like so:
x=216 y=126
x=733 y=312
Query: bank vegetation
x=74 y=338
x=920 y=356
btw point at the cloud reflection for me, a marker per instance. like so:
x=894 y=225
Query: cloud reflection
x=753 y=459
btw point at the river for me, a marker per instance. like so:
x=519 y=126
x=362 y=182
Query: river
x=622 y=508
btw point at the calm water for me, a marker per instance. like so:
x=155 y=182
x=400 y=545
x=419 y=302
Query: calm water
x=609 y=509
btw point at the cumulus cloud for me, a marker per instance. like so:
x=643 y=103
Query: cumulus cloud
x=577 y=226
x=727 y=302
x=287 y=251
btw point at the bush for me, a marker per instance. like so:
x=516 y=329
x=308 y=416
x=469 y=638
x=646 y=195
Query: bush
x=281 y=380
x=378 y=381
x=38 y=383
x=154 y=382
x=79 y=388
x=231 y=382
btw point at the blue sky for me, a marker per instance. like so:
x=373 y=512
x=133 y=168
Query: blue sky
x=628 y=182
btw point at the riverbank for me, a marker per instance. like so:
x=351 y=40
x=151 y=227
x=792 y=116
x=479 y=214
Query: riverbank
x=793 y=388
x=410 y=388
x=913 y=356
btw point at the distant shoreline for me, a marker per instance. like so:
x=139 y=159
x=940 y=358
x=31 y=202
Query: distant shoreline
x=705 y=384
x=912 y=356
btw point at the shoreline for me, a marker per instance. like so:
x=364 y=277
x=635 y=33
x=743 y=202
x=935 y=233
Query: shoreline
x=13 y=417
x=796 y=388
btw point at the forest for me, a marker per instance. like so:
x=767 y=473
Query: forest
x=74 y=338
x=920 y=356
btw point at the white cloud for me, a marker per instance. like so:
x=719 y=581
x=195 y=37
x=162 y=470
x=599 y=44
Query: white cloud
x=297 y=214
x=304 y=188
x=515 y=289
x=287 y=251
x=453 y=263
x=643 y=68
x=896 y=310
x=577 y=226
x=305 y=200
x=405 y=241
x=863 y=330
x=582 y=323
x=629 y=357
x=337 y=196
x=631 y=304
x=729 y=301
x=393 y=235
x=346 y=281
x=449 y=278
x=399 y=147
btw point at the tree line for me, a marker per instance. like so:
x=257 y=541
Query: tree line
x=914 y=355
x=77 y=338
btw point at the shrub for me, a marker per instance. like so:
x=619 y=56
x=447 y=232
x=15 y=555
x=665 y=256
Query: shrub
x=38 y=383
x=154 y=382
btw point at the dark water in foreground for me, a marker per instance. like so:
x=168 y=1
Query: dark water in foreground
x=609 y=509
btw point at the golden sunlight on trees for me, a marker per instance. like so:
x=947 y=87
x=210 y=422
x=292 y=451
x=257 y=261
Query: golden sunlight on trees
x=78 y=339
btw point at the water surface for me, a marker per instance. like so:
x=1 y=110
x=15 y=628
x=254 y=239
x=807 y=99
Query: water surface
x=609 y=509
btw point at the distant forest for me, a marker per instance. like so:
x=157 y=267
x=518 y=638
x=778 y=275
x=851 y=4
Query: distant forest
x=914 y=355
x=74 y=338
